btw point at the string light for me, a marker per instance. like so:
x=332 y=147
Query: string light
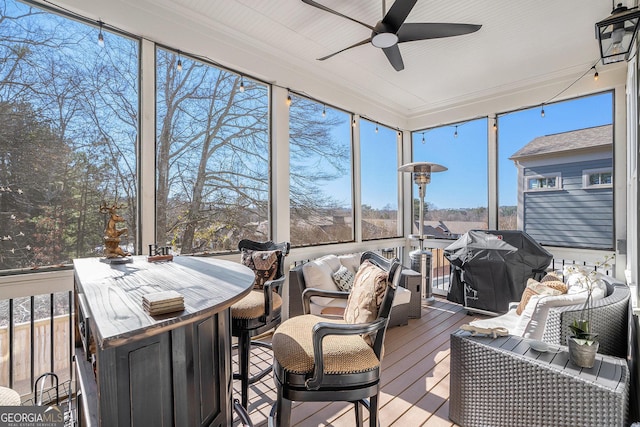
x=495 y=123
x=455 y=134
x=423 y=137
x=241 y=84
x=542 y=111
x=179 y=64
x=354 y=122
x=100 y=35
x=376 y=127
x=288 y=100
x=595 y=73
x=324 y=110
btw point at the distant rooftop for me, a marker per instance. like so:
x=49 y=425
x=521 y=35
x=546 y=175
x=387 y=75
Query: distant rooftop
x=598 y=136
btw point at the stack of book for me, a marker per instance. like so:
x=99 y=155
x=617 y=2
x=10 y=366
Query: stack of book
x=162 y=302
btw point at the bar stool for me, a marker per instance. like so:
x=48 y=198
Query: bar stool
x=260 y=311
x=9 y=397
x=323 y=359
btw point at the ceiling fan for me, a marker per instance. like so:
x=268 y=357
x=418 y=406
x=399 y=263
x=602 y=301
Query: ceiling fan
x=392 y=29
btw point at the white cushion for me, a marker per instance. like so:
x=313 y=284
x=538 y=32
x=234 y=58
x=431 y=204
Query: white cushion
x=537 y=311
x=402 y=296
x=351 y=261
x=508 y=320
x=318 y=273
x=531 y=323
x=574 y=277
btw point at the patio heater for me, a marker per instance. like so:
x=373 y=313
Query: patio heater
x=421 y=258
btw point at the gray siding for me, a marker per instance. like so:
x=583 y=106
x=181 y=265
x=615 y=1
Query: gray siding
x=572 y=216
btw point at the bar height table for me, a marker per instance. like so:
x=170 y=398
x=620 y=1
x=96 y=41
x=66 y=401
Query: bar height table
x=167 y=370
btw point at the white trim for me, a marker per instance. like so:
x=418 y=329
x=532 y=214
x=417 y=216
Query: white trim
x=556 y=175
x=28 y=284
x=586 y=173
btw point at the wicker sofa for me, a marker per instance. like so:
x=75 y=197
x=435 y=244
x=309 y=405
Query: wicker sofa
x=550 y=318
x=317 y=274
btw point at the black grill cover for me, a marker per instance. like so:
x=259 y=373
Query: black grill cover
x=490 y=268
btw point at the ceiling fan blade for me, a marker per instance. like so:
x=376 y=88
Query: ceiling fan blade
x=326 y=9
x=411 y=32
x=394 y=57
x=365 y=41
x=397 y=14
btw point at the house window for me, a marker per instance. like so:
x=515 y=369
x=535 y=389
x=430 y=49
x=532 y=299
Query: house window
x=69 y=119
x=597 y=178
x=538 y=183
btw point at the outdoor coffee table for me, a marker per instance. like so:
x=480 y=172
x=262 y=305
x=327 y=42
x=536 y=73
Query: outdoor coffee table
x=504 y=382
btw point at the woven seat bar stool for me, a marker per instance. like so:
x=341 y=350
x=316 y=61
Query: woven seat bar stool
x=9 y=397
x=324 y=359
x=260 y=311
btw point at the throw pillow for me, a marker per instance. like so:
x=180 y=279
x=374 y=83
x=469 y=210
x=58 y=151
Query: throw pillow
x=579 y=278
x=343 y=278
x=263 y=263
x=536 y=288
x=369 y=287
x=551 y=277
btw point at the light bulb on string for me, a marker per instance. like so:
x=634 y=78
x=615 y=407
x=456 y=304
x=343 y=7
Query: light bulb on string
x=241 y=84
x=423 y=141
x=595 y=73
x=353 y=123
x=542 y=111
x=495 y=123
x=100 y=35
x=455 y=134
x=376 y=127
x=179 y=64
x=324 y=111
x=288 y=100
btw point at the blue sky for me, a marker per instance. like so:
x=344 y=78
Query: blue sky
x=465 y=183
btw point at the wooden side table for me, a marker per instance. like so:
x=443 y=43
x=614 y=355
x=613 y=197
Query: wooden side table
x=503 y=382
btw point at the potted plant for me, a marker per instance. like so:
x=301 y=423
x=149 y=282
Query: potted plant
x=583 y=344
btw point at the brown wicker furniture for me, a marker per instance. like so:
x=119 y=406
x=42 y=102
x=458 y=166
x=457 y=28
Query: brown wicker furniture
x=503 y=382
x=328 y=359
x=257 y=313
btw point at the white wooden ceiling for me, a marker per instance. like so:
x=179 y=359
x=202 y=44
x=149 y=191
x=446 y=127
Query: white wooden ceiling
x=522 y=43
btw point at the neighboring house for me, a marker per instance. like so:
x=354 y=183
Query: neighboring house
x=565 y=188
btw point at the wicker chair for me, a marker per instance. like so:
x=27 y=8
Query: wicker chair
x=258 y=312
x=328 y=359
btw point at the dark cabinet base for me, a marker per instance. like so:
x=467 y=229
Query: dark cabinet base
x=176 y=378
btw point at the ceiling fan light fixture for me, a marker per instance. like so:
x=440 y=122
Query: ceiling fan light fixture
x=384 y=40
x=615 y=34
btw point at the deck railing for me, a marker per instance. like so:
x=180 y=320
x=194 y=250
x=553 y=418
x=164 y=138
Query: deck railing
x=36 y=328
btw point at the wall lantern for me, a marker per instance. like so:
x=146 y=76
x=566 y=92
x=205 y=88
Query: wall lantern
x=616 y=33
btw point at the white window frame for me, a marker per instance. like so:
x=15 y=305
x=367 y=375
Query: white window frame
x=556 y=175
x=588 y=172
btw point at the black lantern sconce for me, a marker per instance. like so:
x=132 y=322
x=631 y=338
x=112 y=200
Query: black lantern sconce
x=615 y=34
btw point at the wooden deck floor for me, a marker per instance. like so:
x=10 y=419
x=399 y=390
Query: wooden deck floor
x=415 y=377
